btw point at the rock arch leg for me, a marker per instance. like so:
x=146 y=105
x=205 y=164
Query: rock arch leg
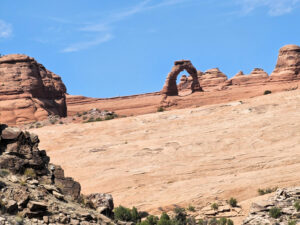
x=170 y=86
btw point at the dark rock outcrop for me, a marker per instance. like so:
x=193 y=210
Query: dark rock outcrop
x=284 y=201
x=29 y=91
x=38 y=191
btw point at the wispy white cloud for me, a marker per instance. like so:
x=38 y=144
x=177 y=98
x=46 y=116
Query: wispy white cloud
x=104 y=28
x=87 y=44
x=275 y=7
x=119 y=16
x=5 y=29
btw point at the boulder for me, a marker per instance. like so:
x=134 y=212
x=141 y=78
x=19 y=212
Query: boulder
x=288 y=64
x=103 y=203
x=29 y=91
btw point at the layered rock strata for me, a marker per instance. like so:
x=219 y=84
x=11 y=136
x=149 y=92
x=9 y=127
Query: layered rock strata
x=288 y=64
x=28 y=91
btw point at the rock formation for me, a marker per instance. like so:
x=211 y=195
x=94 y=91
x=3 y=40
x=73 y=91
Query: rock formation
x=37 y=191
x=288 y=64
x=283 y=205
x=29 y=91
x=170 y=87
x=255 y=77
x=212 y=78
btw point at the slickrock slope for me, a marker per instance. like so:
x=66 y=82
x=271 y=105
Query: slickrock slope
x=188 y=156
x=28 y=91
x=33 y=191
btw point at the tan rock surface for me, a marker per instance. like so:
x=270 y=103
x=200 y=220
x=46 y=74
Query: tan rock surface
x=28 y=90
x=187 y=156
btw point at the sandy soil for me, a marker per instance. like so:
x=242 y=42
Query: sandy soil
x=184 y=156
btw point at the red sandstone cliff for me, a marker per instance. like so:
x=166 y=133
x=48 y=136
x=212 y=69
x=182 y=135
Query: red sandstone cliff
x=28 y=91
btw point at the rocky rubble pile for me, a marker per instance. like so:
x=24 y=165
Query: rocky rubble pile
x=283 y=209
x=33 y=191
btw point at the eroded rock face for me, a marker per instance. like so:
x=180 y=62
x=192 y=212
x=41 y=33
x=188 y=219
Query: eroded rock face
x=28 y=91
x=170 y=87
x=212 y=78
x=255 y=77
x=38 y=192
x=288 y=64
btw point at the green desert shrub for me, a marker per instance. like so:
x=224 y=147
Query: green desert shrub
x=297 y=206
x=129 y=215
x=19 y=220
x=164 y=219
x=266 y=191
x=109 y=117
x=213 y=221
x=180 y=216
x=135 y=217
x=29 y=172
x=292 y=222
x=160 y=109
x=267 y=92
x=214 y=206
x=222 y=221
x=232 y=202
x=191 y=208
x=122 y=213
x=230 y=222
x=202 y=222
x=275 y=212
x=4 y=172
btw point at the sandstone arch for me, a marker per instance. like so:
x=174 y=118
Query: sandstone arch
x=170 y=87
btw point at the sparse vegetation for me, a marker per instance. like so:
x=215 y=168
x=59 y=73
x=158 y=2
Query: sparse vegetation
x=160 y=109
x=202 y=222
x=4 y=172
x=292 y=222
x=266 y=191
x=191 y=208
x=38 y=125
x=125 y=214
x=232 y=202
x=109 y=117
x=180 y=216
x=214 y=206
x=275 y=212
x=221 y=221
x=267 y=92
x=19 y=219
x=297 y=206
x=29 y=172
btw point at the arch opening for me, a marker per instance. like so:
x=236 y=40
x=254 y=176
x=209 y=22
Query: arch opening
x=170 y=88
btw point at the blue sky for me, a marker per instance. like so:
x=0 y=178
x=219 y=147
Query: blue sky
x=106 y=48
